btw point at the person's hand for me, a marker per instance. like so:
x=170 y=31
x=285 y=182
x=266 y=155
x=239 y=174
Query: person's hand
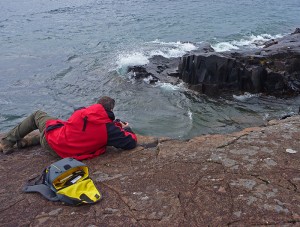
x=124 y=124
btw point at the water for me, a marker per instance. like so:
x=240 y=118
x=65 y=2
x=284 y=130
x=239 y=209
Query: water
x=58 y=55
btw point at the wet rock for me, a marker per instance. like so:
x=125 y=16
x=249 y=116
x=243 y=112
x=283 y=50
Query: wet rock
x=159 y=69
x=240 y=179
x=270 y=43
x=139 y=72
x=297 y=30
x=272 y=70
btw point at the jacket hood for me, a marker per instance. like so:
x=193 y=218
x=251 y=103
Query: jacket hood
x=97 y=114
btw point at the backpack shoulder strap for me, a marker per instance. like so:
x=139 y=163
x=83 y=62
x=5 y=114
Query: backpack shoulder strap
x=36 y=184
x=43 y=189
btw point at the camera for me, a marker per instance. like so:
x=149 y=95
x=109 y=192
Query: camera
x=118 y=120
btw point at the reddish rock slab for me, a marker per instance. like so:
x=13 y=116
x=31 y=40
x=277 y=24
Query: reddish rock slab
x=247 y=178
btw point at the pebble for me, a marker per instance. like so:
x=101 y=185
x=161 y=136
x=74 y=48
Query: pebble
x=291 y=151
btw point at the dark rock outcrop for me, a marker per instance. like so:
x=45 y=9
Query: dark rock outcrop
x=248 y=178
x=159 y=69
x=162 y=69
x=272 y=70
x=139 y=72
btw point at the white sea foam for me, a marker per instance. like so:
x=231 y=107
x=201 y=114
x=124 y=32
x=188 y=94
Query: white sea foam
x=251 y=41
x=170 y=49
x=266 y=116
x=181 y=46
x=190 y=114
x=165 y=49
x=168 y=86
x=148 y=79
x=134 y=58
x=245 y=96
x=224 y=46
x=171 y=87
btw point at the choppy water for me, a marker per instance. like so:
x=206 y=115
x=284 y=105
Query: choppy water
x=57 y=55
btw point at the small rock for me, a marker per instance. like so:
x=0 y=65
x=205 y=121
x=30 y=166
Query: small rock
x=110 y=211
x=42 y=220
x=291 y=151
x=55 y=212
x=237 y=214
x=222 y=190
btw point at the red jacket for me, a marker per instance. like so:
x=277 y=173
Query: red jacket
x=86 y=133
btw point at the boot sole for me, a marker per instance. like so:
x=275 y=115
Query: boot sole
x=6 y=151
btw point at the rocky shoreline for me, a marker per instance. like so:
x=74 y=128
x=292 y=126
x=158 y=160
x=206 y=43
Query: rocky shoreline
x=271 y=70
x=247 y=178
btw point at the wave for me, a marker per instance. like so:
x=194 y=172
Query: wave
x=252 y=41
x=150 y=49
x=131 y=59
x=61 y=10
x=178 y=49
x=190 y=114
x=245 y=96
x=172 y=49
x=4 y=101
x=169 y=86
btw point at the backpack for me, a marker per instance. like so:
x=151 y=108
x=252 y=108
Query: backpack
x=67 y=181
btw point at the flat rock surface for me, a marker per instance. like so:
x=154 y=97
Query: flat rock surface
x=248 y=178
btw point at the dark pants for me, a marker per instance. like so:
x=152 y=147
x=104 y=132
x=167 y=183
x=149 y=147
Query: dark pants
x=37 y=120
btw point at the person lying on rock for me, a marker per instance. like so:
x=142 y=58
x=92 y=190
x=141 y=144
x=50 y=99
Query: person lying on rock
x=84 y=135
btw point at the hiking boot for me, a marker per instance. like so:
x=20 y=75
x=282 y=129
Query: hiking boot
x=22 y=143
x=7 y=147
x=28 y=141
